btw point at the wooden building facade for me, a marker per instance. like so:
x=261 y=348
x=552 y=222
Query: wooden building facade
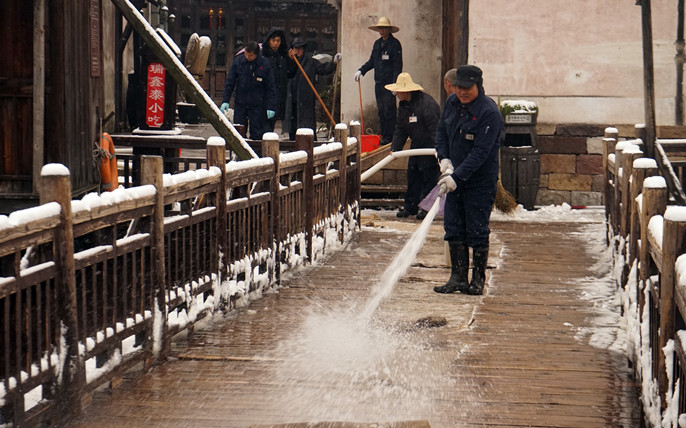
x=51 y=94
x=230 y=24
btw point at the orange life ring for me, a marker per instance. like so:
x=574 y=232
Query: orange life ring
x=108 y=165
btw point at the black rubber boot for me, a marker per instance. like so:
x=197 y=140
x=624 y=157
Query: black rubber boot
x=479 y=259
x=459 y=259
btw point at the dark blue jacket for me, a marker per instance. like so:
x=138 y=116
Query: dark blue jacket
x=280 y=67
x=253 y=83
x=418 y=120
x=386 y=60
x=470 y=135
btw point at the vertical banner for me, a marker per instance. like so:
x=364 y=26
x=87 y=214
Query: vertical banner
x=154 y=111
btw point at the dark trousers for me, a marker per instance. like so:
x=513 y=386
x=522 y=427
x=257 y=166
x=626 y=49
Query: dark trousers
x=385 y=102
x=420 y=182
x=468 y=213
x=254 y=118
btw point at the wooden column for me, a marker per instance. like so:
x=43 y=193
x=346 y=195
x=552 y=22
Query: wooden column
x=654 y=202
x=630 y=154
x=55 y=186
x=151 y=173
x=673 y=245
x=356 y=132
x=216 y=156
x=270 y=149
x=609 y=143
x=304 y=140
x=648 y=77
x=642 y=169
x=341 y=134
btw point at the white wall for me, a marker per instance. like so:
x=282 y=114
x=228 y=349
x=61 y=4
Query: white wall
x=580 y=60
x=420 y=35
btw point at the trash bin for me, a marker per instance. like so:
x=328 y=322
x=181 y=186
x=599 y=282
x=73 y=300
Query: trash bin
x=520 y=159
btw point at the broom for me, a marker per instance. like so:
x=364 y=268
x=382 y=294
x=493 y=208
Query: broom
x=504 y=201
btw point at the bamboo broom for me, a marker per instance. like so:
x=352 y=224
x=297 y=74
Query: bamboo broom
x=504 y=201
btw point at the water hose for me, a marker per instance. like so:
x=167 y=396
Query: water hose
x=396 y=155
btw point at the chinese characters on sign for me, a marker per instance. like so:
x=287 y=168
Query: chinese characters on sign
x=154 y=114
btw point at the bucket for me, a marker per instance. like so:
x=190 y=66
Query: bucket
x=369 y=143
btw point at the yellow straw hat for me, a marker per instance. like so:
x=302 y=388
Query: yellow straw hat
x=403 y=83
x=384 y=22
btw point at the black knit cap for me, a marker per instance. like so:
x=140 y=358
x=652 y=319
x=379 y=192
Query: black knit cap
x=468 y=76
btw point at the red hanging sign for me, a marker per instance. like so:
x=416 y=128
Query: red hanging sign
x=154 y=112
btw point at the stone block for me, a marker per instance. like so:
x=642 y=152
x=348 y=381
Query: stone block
x=594 y=146
x=598 y=183
x=552 y=197
x=580 y=130
x=545 y=129
x=558 y=164
x=586 y=198
x=562 y=145
x=580 y=182
x=543 y=181
x=589 y=164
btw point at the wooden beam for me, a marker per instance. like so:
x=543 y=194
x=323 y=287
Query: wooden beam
x=38 y=89
x=185 y=81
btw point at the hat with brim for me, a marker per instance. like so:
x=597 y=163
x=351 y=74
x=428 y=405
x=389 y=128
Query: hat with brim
x=403 y=83
x=384 y=23
x=467 y=76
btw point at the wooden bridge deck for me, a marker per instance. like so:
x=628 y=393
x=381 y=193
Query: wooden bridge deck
x=541 y=348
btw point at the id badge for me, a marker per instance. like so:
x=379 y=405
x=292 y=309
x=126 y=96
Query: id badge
x=413 y=119
x=259 y=79
x=385 y=57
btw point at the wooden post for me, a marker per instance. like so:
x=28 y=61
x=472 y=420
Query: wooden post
x=55 y=185
x=608 y=190
x=654 y=202
x=648 y=77
x=673 y=244
x=216 y=156
x=270 y=149
x=630 y=154
x=642 y=169
x=356 y=132
x=151 y=173
x=617 y=195
x=304 y=140
x=341 y=134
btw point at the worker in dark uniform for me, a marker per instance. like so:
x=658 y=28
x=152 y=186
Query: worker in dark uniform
x=469 y=134
x=251 y=77
x=275 y=50
x=301 y=113
x=418 y=115
x=387 y=61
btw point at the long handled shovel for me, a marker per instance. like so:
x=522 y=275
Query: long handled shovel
x=335 y=90
x=314 y=90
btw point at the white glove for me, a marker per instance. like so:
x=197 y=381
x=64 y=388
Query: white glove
x=358 y=74
x=447 y=184
x=337 y=58
x=446 y=165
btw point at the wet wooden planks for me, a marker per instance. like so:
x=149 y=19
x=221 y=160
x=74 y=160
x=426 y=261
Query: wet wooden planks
x=518 y=356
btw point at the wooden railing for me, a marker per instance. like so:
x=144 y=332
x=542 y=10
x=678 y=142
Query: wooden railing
x=91 y=288
x=647 y=229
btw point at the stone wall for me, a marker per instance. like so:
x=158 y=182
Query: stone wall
x=572 y=163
